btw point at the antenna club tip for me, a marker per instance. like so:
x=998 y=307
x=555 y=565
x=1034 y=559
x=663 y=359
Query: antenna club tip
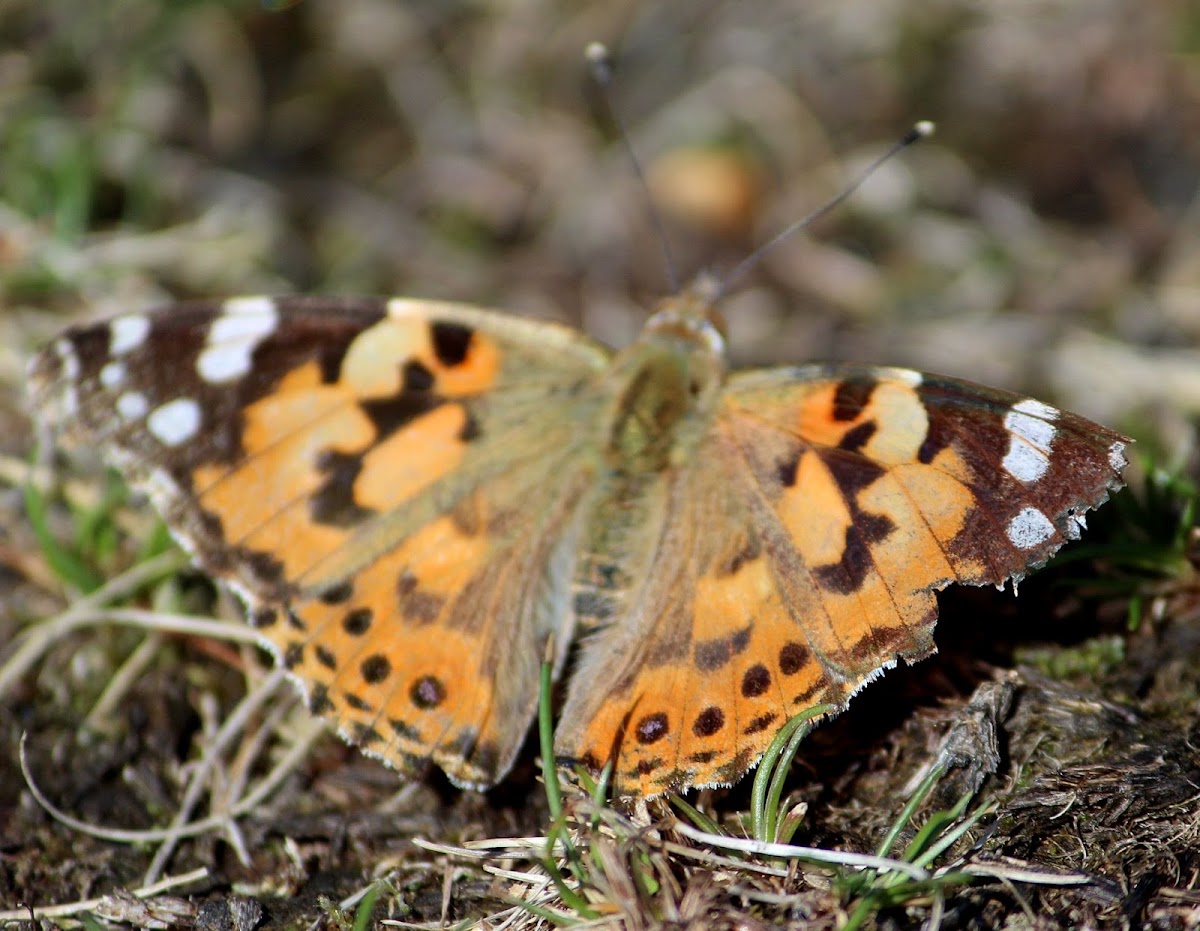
x=597 y=53
x=599 y=59
x=920 y=130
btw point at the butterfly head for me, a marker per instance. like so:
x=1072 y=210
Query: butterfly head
x=692 y=316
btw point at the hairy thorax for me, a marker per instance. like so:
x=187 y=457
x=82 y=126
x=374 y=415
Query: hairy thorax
x=665 y=388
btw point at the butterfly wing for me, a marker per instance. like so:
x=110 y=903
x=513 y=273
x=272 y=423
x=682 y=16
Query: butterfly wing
x=808 y=537
x=365 y=475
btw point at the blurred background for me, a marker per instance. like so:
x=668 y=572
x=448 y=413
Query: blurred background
x=1047 y=239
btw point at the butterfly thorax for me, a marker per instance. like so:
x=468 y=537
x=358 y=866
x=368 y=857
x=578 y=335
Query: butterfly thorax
x=665 y=386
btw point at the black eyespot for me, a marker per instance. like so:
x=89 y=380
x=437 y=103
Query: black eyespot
x=375 y=669
x=357 y=622
x=427 y=692
x=651 y=728
x=708 y=722
x=756 y=681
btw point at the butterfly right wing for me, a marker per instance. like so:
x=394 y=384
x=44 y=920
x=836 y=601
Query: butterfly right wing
x=798 y=552
x=393 y=487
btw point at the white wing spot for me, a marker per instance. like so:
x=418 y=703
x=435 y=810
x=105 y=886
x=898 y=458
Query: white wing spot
x=242 y=306
x=1029 y=528
x=127 y=333
x=112 y=374
x=70 y=361
x=1116 y=457
x=69 y=402
x=233 y=337
x=1030 y=438
x=909 y=377
x=132 y=405
x=1023 y=462
x=1036 y=408
x=174 y=422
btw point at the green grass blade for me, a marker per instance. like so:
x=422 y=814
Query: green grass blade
x=702 y=821
x=783 y=766
x=366 y=906
x=772 y=771
x=546 y=736
x=935 y=773
x=553 y=917
x=69 y=567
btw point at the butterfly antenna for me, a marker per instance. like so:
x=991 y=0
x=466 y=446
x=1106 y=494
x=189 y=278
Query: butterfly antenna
x=600 y=61
x=919 y=131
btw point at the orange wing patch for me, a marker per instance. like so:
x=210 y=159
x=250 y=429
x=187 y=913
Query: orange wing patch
x=706 y=713
x=408 y=350
x=365 y=649
x=318 y=457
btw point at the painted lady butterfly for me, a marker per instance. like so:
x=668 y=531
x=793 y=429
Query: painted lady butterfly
x=413 y=497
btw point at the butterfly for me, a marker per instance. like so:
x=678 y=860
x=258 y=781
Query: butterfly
x=414 y=499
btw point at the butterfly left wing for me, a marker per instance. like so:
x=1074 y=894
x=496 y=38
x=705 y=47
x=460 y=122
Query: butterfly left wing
x=392 y=486
x=808 y=537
